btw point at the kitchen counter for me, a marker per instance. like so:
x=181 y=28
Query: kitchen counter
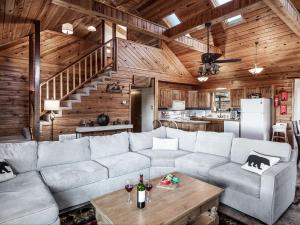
x=212 y=119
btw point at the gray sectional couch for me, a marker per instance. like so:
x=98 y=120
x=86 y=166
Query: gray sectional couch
x=57 y=175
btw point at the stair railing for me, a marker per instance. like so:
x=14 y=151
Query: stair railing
x=70 y=79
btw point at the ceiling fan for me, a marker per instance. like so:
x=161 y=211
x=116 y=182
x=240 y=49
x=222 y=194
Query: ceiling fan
x=210 y=61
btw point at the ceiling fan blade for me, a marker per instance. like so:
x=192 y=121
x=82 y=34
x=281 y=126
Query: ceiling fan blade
x=210 y=57
x=227 y=60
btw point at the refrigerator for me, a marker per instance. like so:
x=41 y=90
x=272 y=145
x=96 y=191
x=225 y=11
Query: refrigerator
x=256 y=118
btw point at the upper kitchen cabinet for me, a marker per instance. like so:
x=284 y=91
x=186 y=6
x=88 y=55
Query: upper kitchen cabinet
x=235 y=96
x=204 y=99
x=179 y=95
x=165 y=98
x=192 y=99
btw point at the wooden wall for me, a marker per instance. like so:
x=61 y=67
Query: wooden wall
x=57 y=51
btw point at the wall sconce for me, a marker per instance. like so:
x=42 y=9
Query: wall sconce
x=124 y=102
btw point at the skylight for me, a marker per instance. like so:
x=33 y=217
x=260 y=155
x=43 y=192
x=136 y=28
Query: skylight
x=220 y=2
x=171 y=20
x=234 y=20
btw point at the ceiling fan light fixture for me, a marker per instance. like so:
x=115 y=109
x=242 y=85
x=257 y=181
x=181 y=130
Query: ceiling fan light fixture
x=202 y=78
x=67 y=28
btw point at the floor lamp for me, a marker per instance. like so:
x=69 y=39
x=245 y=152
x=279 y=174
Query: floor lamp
x=51 y=105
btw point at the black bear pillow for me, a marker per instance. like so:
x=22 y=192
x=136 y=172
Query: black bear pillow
x=6 y=172
x=259 y=163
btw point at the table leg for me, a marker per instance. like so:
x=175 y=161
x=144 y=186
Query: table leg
x=213 y=214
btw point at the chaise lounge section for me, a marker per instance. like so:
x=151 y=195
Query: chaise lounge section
x=56 y=175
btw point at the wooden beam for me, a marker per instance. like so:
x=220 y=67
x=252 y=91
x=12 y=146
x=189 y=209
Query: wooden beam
x=37 y=79
x=287 y=12
x=97 y=9
x=215 y=15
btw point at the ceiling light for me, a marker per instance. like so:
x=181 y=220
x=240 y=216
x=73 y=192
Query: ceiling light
x=91 y=28
x=202 y=78
x=221 y=88
x=256 y=70
x=67 y=28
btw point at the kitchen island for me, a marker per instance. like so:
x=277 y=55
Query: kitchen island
x=186 y=124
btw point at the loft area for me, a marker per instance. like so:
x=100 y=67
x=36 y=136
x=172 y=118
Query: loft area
x=149 y=112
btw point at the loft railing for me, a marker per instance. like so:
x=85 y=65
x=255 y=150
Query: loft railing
x=70 y=79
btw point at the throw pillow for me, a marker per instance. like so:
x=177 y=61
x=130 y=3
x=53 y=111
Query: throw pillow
x=165 y=143
x=259 y=163
x=6 y=172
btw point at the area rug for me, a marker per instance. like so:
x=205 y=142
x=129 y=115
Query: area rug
x=85 y=215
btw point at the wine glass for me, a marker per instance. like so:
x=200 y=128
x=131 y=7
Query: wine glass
x=148 y=187
x=128 y=187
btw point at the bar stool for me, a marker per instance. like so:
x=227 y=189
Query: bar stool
x=278 y=130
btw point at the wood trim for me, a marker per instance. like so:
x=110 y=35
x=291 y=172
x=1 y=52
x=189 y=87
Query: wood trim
x=215 y=15
x=287 y=12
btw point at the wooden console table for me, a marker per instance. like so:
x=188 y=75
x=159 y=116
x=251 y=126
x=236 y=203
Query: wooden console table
x=82 y=130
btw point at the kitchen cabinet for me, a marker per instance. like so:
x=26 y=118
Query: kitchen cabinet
x=266 y=92
x=235 y=96
x=204 y=100
x=165 y=98
x=179 y=95
x=216 y=126
x=192 y=99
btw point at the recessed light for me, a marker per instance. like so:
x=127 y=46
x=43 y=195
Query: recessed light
x=91 y=28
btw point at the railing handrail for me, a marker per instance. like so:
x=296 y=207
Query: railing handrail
x=77 y=61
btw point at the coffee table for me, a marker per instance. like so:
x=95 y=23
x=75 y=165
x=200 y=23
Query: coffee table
x=192 y=202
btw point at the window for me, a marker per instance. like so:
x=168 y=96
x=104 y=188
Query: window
x=171 y=20
x=220 y=2
x=234 y=20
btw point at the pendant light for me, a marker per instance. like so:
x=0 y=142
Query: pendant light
x=256 y=70
x=67 y=28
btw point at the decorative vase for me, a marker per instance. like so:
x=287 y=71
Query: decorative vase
x=103 y=119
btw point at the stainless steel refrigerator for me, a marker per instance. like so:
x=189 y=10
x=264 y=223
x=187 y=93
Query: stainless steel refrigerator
x=256 y=118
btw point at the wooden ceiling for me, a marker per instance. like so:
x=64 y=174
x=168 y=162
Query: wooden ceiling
x=278 y=50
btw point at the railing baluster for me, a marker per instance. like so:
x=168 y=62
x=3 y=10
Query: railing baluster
x=68 y=88
x=85 y=69
x=91 y=63
x=96 y=63
x=74 y=76
x=79 y=72
x=104 y=56
x=47 y=90
x=61 y=85
x=54 y=88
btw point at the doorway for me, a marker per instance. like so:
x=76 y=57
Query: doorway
x=142 y=104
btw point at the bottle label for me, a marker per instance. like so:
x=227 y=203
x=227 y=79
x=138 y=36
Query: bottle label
x=141 y=196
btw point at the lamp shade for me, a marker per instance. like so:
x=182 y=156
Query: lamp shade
x=51 y=105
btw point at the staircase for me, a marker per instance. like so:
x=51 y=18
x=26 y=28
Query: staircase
x=78 y=79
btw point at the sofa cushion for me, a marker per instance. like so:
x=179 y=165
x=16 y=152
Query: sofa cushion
x=187 y=139
x=163 y=158
x=60 y=152
x=198 y=164
x=214 y=143
x=165 y=143
x=232 y=176
x=22 y=157
x=68 y=176
x=142 y=141
x=27 y=200
x=124 y=163
x=241 y=148
x=103 y=146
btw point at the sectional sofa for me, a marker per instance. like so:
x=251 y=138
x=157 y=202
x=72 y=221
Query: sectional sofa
x=57 y=175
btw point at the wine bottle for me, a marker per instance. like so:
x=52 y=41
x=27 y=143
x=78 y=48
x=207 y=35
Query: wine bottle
x=141 y=195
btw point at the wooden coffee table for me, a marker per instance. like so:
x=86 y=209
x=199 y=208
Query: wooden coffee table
x=192 y=202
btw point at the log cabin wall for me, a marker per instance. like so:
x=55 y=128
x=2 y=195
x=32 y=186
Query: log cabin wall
x=57 y=51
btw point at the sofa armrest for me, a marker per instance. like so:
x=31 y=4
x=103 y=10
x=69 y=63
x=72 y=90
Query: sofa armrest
x=278 y=185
